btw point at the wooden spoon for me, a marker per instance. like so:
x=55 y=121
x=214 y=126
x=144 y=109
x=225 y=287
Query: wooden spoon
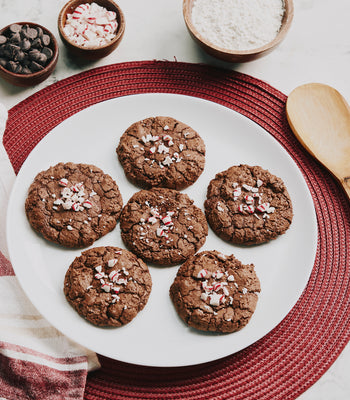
x=320 y=118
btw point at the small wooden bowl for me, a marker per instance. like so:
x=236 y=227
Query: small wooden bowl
x=97 y=52
x=26 y=80
x=235 y=56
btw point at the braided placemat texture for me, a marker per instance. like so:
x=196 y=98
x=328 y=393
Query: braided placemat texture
x=293 y=356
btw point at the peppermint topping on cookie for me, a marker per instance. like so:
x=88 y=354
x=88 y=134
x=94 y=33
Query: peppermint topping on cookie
x=114 y=281
x=165 y=222
x=217 y=291
x=161 y=145
x=250 y=202
x=73 y=197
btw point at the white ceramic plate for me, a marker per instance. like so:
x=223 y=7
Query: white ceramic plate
x=157 y=336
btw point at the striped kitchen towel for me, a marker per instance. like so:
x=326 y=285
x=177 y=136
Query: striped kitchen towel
x=37 y=362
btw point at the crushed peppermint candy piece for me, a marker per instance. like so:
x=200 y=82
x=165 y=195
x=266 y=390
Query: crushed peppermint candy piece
x=63 y=182
x=69 y=227
x=250 y=209
x=161 y=232
x=147 y=138
x=216 y=299
x=75 y=207
x=111 y=263
x=155 y=212
x=263 y=207
x=259 y=182
x=249 y=199
x=98 y=268
x=177 y=157
x=113 y=276
x=106 y=287
x=163 y=149
x=237 y=192
x=217 y=275
x=247 y=187
x=167 y=220
x=219 y=208
x=204 y=296
x=167 y=161
x=152 y=220
x=202 y=273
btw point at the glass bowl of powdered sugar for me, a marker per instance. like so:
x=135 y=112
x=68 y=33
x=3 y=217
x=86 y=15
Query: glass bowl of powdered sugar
x=238 y=30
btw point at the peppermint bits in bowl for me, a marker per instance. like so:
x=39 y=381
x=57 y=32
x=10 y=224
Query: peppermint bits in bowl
x=91 y=29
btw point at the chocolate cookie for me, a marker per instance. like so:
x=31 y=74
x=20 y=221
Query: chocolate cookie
x=248 y=205
x=73 y=204
x=214 y=292
x=161 y=152
x=163 y=226
x=107 y=285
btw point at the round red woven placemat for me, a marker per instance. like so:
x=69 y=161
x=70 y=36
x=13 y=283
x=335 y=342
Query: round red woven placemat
x=302 y=347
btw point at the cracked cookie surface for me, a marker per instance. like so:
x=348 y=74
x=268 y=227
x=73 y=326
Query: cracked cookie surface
x=73 y=204
x=161 y=152
x=215 y=292
x=248 y=205
x=108 y=286
x=163 y=226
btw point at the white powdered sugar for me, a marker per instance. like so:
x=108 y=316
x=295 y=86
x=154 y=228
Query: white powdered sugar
x=238 y=24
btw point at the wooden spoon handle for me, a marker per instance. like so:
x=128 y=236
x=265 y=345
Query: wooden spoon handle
x=345 y=182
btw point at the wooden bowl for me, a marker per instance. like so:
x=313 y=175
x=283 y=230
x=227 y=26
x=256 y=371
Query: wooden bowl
x=26 y=80
x=97 y=52
x=235 y=56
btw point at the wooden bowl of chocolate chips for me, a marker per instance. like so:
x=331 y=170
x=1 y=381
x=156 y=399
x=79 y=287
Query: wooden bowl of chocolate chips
x=28 y=53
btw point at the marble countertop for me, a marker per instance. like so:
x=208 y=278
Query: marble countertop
x=316 y=49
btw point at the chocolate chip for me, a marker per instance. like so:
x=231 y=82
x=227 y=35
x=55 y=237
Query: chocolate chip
x=15 y=28
x=34 y=66
x=15 y=38
x=25 y=44
x=11 y=66
x=18 y=69
x=40 y=32
x=32 y=33
x=34 y=54
x=26 y=70
x=46 y=40
x=48 y=52
x=36 y=44
x=3 y=39
x=13 y=50
x=42 y=59
x=19 y=56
